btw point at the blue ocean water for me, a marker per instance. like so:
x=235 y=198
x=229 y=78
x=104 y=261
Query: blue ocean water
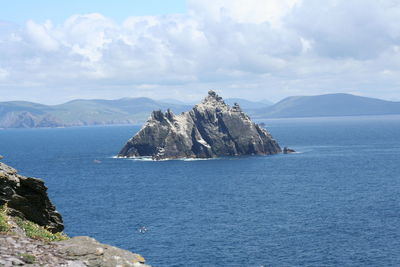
x=336 y=203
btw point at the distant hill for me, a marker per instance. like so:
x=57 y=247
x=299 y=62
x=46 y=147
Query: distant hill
x=80 y=112
x=20 y=114
x=244 y=103
x=175 y=101
x=248 y=105
x=328 y=105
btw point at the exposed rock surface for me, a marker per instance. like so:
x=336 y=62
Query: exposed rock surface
x=20 y=250
x=93 y=253
x=211 y=129
x=287 y=150
x=79 y=251
x=27 y=198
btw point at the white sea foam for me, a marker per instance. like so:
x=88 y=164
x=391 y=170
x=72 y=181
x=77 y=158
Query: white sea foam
x=141 y=159
x=196 y=159
x=147 y=158
x=133 y=158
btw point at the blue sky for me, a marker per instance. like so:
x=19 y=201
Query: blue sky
x=55 y=51
x=19 y=11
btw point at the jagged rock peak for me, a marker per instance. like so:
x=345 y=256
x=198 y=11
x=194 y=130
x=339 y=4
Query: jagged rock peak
x=170 y=115
x=213 y=98
x=157 y=115
x=210 y=129
x=236 y=107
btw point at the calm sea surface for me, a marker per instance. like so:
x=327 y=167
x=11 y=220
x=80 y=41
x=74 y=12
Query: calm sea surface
x=336 y=203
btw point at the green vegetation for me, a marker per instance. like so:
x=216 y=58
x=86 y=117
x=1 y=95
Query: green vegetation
x=35 y=231
x=4 y=225
x=31 y=229
x=27 y=258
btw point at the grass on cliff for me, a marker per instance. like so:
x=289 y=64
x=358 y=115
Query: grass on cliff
x=28 y=258
x=32 y=230
x=4 y=225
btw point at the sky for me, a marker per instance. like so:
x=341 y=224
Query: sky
x=55 y=51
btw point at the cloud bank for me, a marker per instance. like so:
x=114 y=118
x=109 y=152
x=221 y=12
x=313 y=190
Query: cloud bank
x=256 y=49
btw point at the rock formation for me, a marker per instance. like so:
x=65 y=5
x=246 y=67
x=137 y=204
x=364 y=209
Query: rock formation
x=287 y=150
x=27 y=198
x=211 y=129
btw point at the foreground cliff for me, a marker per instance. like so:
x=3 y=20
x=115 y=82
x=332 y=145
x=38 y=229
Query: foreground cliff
x=30 y=230
x=27 y=198
x=211 y=129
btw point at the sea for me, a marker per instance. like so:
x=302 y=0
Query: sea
x=335 y=202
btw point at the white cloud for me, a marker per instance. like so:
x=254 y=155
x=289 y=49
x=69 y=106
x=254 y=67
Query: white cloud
x=40 y=35
x=354 y=29
x=3 y=74
x=248 y=48
x=244 y=11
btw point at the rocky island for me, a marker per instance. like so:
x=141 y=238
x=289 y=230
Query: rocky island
x=211 y=129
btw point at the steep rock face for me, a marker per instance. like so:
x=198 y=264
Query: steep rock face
x=210 y=129
x=26 y=197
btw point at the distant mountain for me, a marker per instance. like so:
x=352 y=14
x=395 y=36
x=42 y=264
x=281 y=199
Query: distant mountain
x=244 y=103
x=175 y=101
x=20 y=114
x=120 y=111
x=328 y=105
x=248 y=105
